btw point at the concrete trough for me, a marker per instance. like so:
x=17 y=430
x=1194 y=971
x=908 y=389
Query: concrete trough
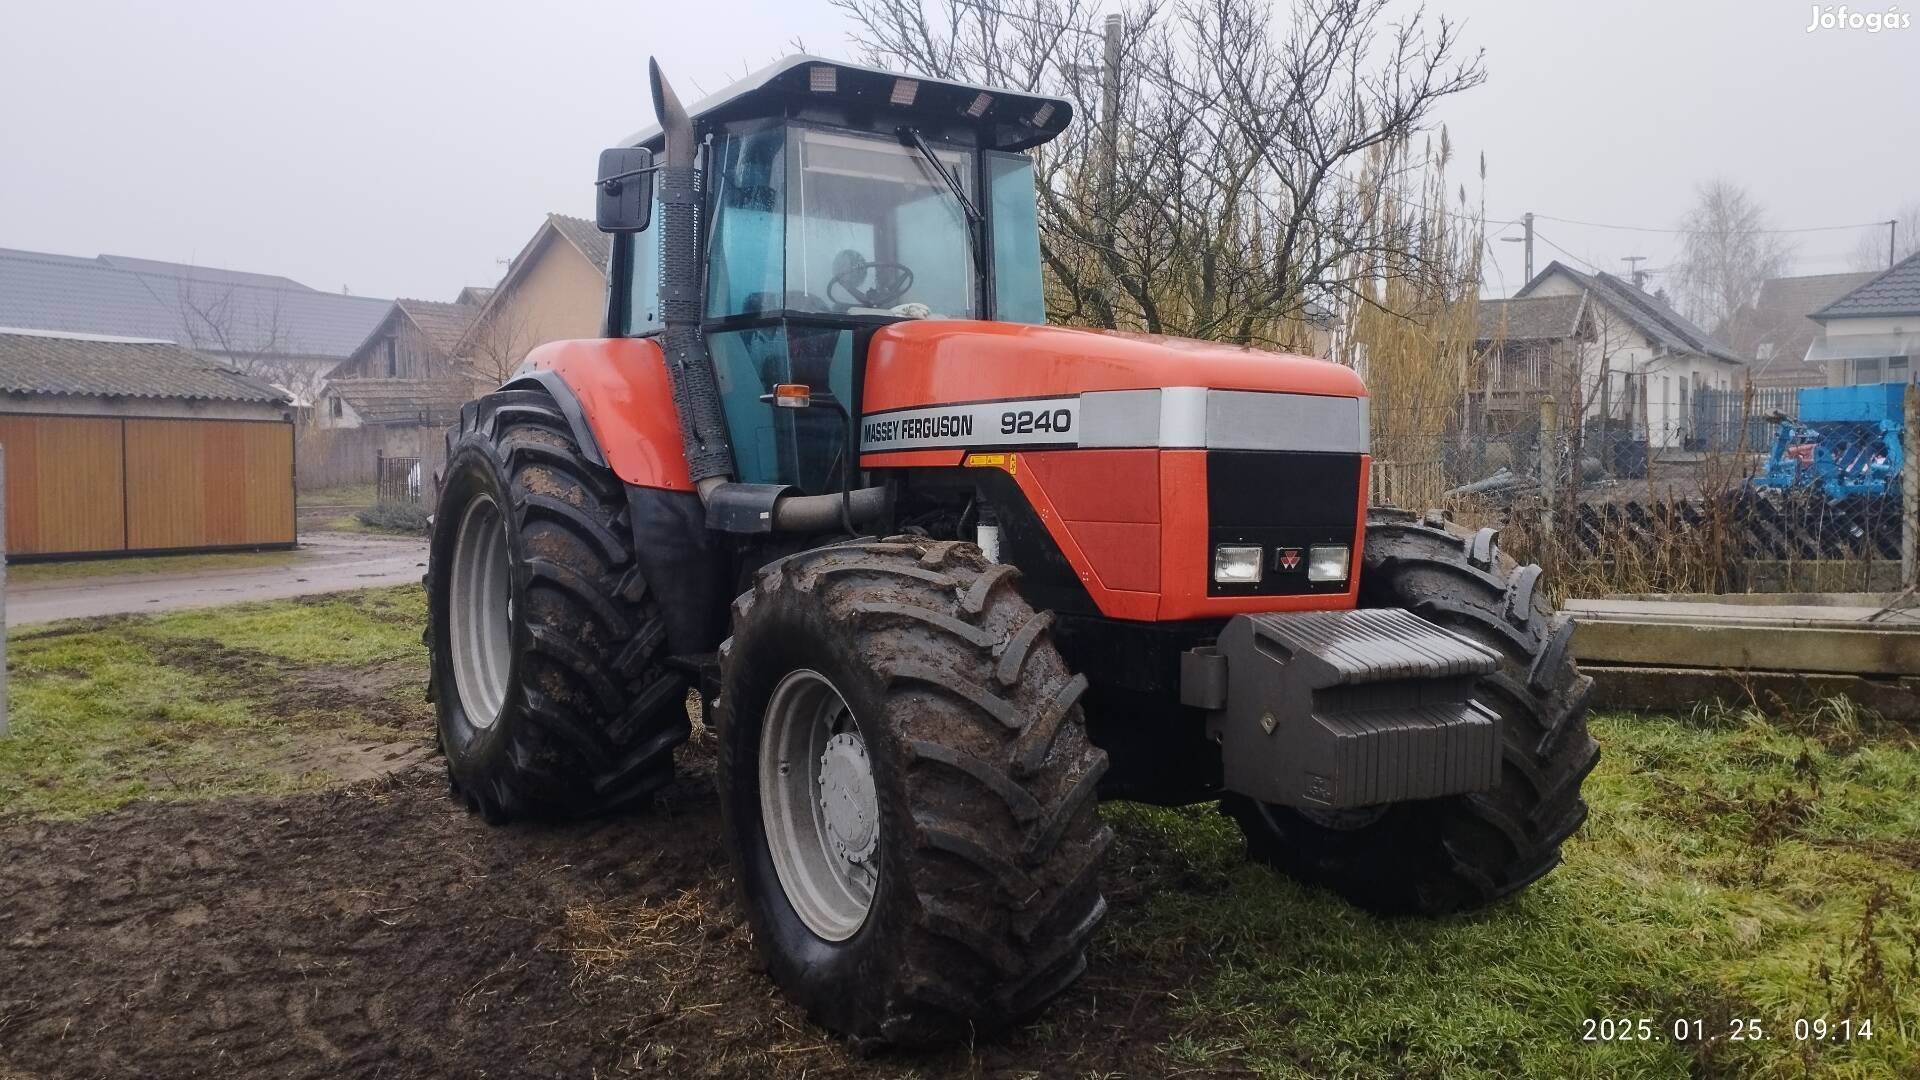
x=1666 y=653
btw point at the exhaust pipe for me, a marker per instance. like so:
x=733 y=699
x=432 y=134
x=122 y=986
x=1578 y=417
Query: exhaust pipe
x=696 y=396
x=703 y=427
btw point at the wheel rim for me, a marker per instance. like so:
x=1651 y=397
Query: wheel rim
x=819 y=805
x=480 y=612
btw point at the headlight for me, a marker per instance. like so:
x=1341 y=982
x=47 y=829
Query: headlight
x=1236 y=564
x=1327 y=562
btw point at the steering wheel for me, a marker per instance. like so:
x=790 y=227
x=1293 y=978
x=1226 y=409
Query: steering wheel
x=891 y=280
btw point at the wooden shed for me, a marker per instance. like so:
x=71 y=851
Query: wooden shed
x=121 y=445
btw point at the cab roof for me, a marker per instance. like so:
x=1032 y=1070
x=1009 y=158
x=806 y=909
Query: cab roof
x=1005 y=119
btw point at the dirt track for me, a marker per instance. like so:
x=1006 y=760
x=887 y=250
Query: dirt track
x=379 y=930
x=332 y=561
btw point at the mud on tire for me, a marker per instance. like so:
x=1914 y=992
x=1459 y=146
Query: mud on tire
x=589 y=716
x=1465 y=851
x=986 y=889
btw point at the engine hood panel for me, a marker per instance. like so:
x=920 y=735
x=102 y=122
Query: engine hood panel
x=926 y=362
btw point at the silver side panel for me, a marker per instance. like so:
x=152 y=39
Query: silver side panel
x=1171 y=417
x=1193 y=417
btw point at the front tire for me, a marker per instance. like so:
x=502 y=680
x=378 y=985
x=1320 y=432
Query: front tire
x=546 y=646
x=898 y=708
x=1437 y=856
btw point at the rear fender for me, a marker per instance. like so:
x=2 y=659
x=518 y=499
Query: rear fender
x=615 y=394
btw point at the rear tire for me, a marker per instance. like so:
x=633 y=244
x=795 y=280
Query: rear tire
x=1438 y=856
x=546 y=646
x=978 y=891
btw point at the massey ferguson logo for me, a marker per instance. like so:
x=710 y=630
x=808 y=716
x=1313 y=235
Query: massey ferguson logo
x=918 y=428
x=1288 y=559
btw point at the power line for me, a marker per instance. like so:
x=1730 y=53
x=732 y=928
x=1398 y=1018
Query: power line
x=1542 y=237
x=1690 y=232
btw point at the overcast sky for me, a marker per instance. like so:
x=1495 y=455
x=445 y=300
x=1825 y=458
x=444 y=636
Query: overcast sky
x=409 y=148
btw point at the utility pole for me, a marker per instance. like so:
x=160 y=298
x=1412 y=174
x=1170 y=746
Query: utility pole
x=1526 y=219
x=1110 y=119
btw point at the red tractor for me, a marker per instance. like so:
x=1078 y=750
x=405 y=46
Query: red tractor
x=1113 y=566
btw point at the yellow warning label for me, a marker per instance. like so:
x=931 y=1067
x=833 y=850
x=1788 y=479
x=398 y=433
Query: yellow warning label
x=992 y=461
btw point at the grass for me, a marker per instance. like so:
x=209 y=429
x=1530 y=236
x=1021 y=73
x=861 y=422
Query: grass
x=354 y=495
x=1736 y=867
x=1725 y=874
x=111 y=711
x=83 y=569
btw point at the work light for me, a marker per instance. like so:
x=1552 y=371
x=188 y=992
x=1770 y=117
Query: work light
x=1327 y=562
x=1237 y=564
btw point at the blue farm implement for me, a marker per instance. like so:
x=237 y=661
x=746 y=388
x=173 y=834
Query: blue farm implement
x=1846 y=442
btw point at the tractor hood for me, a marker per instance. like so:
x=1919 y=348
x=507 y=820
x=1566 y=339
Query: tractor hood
x=937 y=362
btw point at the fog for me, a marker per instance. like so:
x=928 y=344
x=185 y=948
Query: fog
x=410 y=149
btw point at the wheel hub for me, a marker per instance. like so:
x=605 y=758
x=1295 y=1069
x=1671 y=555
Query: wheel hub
x=819 y=805
x=847 y=798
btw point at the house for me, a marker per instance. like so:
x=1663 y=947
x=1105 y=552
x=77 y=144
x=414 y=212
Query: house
x=1641 y=364
x=1871 y=334
x=430 y=403
x=1775 y=331
x=1530 y=347
x=264 y=325
x=474 y=296
x=555 y=289
x=414 y=343
x=121 y=444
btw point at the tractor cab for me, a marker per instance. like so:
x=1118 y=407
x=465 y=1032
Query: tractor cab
x=838 y=199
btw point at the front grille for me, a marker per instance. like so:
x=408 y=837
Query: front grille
x=1284 y=501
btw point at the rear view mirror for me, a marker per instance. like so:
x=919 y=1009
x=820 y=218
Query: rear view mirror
x=624 y=191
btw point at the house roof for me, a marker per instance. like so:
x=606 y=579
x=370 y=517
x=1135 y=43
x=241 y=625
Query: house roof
x=443 y=324
x=1779 y=317
x=94 y=365
x=404 y=401
x=1891 y=292
x=585 y=235
x=1532 y=318
x=207 y=308
x=476 y=295
x=1648 y=313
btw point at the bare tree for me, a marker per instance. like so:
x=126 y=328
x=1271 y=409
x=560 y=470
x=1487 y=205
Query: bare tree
x=496 y=344
x=1728 y=253
x=1239 y=180
x=1871 y=252
x=247 y=334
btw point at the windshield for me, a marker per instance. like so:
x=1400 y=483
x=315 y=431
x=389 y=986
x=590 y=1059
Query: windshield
x=874 y=229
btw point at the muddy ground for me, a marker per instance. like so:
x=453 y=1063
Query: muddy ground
x=380 y=930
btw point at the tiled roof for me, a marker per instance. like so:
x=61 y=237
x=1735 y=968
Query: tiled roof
x=1777 y=324
x=210 y=309
x=443 y=324
x=476 y=295
x=59 y=292
x=585 y=235
x=404 y=401
x=1648 y=313
x=1532 y=318
x=1893 y=292
x=39 y=362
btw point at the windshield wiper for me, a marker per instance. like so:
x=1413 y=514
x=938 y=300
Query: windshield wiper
x=913 y=138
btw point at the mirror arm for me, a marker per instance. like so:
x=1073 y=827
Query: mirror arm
x=612 y=183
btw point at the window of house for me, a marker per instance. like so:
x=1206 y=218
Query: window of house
x=1866 y=370
x=1898 y=369
x=334 y=406
x=393 y=359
